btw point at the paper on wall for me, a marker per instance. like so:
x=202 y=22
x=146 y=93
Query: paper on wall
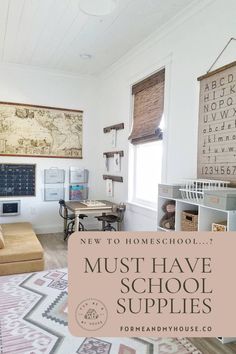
x=117 y=161
x=113 y=137
x=106 y=161
x=109 y=187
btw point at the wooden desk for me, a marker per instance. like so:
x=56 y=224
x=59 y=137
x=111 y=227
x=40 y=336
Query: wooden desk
x=78 y=208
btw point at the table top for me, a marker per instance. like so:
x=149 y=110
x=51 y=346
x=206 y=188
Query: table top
x=75 y=205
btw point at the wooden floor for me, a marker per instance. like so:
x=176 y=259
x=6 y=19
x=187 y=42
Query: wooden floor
x=213 y=346
x=55 y=251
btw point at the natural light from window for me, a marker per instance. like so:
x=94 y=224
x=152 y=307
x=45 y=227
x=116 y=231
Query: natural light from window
x=148 y=163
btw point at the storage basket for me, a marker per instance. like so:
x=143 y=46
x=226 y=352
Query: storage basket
x=194 y=189
x=189 y=220
x=219 y=226
x=170 y=190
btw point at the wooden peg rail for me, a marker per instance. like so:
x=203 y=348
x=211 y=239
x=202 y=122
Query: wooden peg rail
x=113 y=178
x=112 y=153
x=115 y=126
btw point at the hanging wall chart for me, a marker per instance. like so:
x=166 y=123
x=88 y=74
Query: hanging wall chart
x=217 y=124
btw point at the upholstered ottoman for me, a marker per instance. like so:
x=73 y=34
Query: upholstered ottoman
x=20 y=249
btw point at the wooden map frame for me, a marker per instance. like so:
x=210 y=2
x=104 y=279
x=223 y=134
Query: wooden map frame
x=74 y=152
x=217 y=124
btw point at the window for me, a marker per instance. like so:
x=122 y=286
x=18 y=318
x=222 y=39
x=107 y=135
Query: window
x=147 y=165
x=146 y=139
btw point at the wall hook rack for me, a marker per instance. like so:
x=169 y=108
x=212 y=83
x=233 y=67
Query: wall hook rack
x=113 y=178
x=113 y=127
x=112 y=153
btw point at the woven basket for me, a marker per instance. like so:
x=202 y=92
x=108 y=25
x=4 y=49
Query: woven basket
x=189 y=220
x=219 y=226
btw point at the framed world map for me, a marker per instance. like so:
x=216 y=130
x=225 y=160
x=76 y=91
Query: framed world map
x=40 y=131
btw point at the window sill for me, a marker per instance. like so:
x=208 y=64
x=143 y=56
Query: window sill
x=141 y=209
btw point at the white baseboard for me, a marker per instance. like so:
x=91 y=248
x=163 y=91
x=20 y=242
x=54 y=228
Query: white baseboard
x=226 y=340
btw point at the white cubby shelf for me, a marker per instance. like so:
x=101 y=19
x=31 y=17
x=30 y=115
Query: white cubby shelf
x=206 y=215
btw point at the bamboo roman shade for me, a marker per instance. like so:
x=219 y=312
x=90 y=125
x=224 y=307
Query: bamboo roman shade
x=148 y=108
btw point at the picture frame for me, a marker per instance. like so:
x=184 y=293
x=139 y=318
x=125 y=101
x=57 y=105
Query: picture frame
x=40 y=131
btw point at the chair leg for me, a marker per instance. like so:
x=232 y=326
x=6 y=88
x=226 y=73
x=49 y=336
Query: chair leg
x=69 y=229
x=66 y=233
x=109 y=227
x=81 y=227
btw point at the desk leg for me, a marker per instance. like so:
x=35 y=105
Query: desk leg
x=76 y=222
x=103 y=222
x=118 y=226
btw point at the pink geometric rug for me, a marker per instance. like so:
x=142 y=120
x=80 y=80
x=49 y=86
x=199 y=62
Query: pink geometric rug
x=33 y=320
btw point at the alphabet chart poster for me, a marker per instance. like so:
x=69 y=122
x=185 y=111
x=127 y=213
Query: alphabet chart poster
x=217 y=124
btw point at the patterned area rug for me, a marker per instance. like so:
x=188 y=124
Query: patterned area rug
x=33 y=320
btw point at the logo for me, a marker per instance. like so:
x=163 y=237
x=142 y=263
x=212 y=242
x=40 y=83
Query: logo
x=91 y=314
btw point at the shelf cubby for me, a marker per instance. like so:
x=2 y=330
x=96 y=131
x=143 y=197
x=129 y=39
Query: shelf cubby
x=206 y=216
x=161 y=213
x=180 y=207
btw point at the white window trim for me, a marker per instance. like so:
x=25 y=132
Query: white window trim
x=165 y=63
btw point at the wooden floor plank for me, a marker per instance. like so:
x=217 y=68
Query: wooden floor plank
x=55 y=250
x=213 y=346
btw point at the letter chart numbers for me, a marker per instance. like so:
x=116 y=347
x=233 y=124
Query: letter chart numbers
x=219 y=170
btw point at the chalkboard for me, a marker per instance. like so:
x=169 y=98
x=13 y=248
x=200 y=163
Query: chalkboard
x=17 y=180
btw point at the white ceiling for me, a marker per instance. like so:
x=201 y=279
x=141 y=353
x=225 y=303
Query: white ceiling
x=51 y=34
